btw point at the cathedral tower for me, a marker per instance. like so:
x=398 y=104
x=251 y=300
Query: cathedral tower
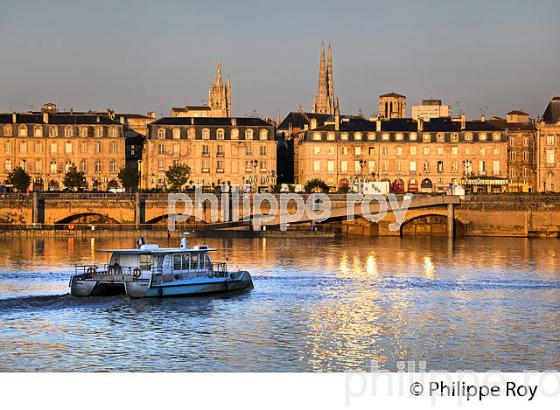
x=219 y=96
x=324 y=101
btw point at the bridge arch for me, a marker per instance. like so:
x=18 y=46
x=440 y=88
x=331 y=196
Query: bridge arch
x=88 y=218
x=430 y=224
x=163 y=219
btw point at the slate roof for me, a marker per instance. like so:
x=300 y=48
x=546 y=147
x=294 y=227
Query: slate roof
x=392 y=95
x=552 y=112
x=212 y=121
x=299 y=119
x=59 y=119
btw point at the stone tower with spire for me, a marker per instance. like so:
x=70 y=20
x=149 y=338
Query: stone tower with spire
x=219 y=96
x=324 y=101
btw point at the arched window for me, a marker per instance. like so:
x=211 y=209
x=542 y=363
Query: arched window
x=68 y=132
x=99 y=132
x=191 y=133
x=7 y=130
x=113 y=132
x=263 y=134
x=53 y=167
x=22 y=131
x=38 y=131
x=220 y=134
x=205 y=134
x=249 y=134
x=161 y=133
x=234 y=133
x=84 y=131
x=176 y=133
x=53 y=131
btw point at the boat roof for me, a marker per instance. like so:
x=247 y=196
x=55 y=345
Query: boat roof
x=153 y=251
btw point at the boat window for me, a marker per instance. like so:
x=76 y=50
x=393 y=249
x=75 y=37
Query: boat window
x=185 y=257
x=194 y=261
x=146 y=262
x=177 y=261
x=208 y=262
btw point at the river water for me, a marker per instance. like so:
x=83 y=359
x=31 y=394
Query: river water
x=318 y=305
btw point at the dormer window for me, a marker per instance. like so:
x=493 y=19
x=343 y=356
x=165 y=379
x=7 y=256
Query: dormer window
x=53 y=131
x=316 y=136
x=385 y=136
x=426 y=137
x=357 y=136
x=205 y=133
x=22 y=131
x=482 y=136
x=440 y=137
x=263 y=134
x=249 y=134
x=497 y=136
x=344 y=136
x=161 y=133
x=68 y=132
x=399 y=136
x=371 y=136
x=220 y=133
x=234 y=133
x=176 y=133
x=330 y=136
x=38 y=131
x=412 y=136
x=468 y=136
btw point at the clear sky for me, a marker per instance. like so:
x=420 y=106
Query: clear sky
x=138 y=56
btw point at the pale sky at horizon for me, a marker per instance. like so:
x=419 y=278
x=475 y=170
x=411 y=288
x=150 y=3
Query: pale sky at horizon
x=139 y=56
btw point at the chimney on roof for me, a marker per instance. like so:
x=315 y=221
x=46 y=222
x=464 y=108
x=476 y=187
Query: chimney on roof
x=420 y=122
x=152 y=114
x=233 y=122
x=463 y=119
x=46 y=117
x=378 y=124
x=97 y=118
x=14 y=117
x=482 y=117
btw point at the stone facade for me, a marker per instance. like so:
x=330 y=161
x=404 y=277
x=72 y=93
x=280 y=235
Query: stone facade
x=236 y=151
x=47 y=144
x=431 y=108
x=392 y=105
x=411 y=155
x=548 y=148
x=521 y=133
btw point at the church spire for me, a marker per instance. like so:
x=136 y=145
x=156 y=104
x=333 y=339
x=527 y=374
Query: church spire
x=219 y=74
x=323 y=103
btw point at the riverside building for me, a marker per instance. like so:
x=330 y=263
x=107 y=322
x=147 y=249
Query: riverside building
x=548 y=148
x=48 y=143
x=238 y=151
x=413 y=156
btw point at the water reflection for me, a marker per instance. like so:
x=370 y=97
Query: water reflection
x=328 y=305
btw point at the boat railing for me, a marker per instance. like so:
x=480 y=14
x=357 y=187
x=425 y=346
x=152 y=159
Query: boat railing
x=219 y=269
x=113 y=272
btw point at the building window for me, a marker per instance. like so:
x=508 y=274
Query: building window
x=161 y=149
x=248 y=150
x=38 y=131
x=83 y=132
x=371 y=136
x=38 y=148
x=234 y=133
x=161 y=164
x=344 y=150
x=22 y=131
x=99 y=132
x=263 y=134
x=161 y=133
x=53 y=167
x=263 y=166
x=550 y=140
x=248 y=166
x=205 y=150
x=454 y=137
x=357 y=167
x=412 y=150
x=482 y=167
x=54 y=148
x=371 y=167
x=249 y=134
x=68 y=132
x=496 y=136
x=7 y=130
x=399 y=136
x=176 y=133
x=316 y=150
x=113 y=166
x=426 y=150
x=385 y=137
x=440 y=137
x=98 y=147
x=220 y=166
x=330 y=167
x=398 y=151
x=454 y=166
x=220 y=150
x=330 y=150
x=83 y=166
x=525 y=141
x=468 y=136
x=316 y=136
x=113 y=147
x=426 y=137
x=191 y=133
x=496 y=167
x=68 y=147
x=23 y=147
x=317 y=166
x=550 y=157
x=220 y=133
x=263 y=150
x=426 y=167
x=357 y=136
x=440 y=166
x=344 y=167
x=7 y=165
x=176 y=149
x=357 y=150
x=344 y=136
x=53 y=131
x=482 y=136
x=454 y=150
x=330 y=136
x=412 y=167
x=440 y=150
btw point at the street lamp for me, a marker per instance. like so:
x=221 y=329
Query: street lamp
x=255 y=165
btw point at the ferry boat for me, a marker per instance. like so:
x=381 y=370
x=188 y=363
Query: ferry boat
x=151 y=271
